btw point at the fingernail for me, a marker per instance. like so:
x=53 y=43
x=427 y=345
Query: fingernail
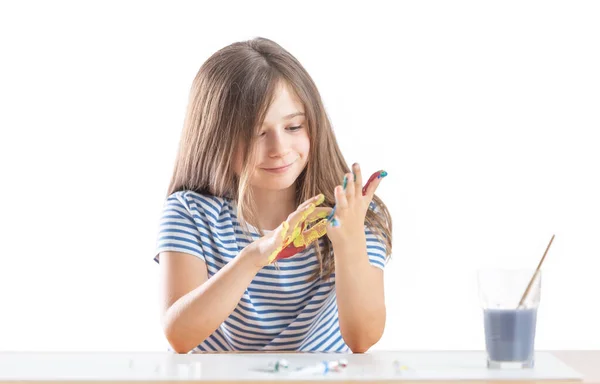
x=345 y=182
x=382 y=174
x=320 y=199
x=335 y=222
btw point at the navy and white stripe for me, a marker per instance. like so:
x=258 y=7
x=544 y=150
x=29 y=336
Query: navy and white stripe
x=280 y=309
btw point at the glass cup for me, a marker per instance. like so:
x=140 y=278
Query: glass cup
x=509 y=325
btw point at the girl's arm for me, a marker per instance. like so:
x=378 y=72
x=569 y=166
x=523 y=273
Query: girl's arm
x=360 y=296
x=193 y=305
x=359 y=285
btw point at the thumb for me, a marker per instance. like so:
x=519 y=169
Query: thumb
x=281 y=233
x=279 y=236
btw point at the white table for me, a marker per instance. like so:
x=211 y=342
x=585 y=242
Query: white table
x=388 y=367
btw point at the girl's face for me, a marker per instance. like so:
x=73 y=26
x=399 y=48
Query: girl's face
x=282 y=144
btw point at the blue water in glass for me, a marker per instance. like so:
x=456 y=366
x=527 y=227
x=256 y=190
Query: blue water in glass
x=510 y=334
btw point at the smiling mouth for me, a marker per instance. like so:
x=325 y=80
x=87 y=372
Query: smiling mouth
x=279 y=169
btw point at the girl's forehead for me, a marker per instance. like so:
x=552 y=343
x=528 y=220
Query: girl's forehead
x=285 y=106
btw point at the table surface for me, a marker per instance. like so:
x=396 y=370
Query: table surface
x=377 y=366
x=585 y=362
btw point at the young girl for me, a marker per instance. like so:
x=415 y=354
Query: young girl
x=257 y=159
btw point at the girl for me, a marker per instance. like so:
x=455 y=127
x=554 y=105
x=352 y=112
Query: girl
x=257 y=154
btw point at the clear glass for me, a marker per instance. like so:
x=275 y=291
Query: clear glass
x=509 y=325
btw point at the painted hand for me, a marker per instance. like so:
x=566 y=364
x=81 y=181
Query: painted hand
x=352 y=203
x=298 y=238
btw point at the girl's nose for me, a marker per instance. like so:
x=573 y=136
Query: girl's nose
x=278 y=145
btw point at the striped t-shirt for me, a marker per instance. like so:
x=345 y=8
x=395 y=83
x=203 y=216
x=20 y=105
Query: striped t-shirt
x=280 y=309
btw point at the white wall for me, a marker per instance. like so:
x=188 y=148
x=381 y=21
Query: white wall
x=484 y=114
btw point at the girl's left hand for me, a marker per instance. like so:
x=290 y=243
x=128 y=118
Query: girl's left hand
x=348 y=223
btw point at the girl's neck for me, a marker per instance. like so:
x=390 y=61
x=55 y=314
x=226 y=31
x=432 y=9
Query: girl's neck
x=274 y=206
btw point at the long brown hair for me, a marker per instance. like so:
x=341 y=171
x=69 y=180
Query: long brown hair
x=229 y=98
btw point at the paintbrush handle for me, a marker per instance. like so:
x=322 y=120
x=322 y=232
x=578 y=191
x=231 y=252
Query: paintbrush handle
x=534 y=275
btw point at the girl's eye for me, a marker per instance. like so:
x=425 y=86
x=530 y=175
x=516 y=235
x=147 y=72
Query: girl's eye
x=292 y=129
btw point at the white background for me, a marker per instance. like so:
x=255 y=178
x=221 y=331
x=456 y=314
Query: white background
x=484 y=114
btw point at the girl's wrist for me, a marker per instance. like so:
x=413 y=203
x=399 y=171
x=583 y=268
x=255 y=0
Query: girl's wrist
x=350 y=243
x=251 y=260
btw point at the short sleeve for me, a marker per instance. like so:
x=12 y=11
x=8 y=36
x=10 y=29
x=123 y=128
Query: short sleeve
x=376 y=247
x=177 y=230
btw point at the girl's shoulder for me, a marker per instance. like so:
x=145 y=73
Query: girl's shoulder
x=205 y=205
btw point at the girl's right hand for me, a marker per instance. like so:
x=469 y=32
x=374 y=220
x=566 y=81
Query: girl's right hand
x=262 y=249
